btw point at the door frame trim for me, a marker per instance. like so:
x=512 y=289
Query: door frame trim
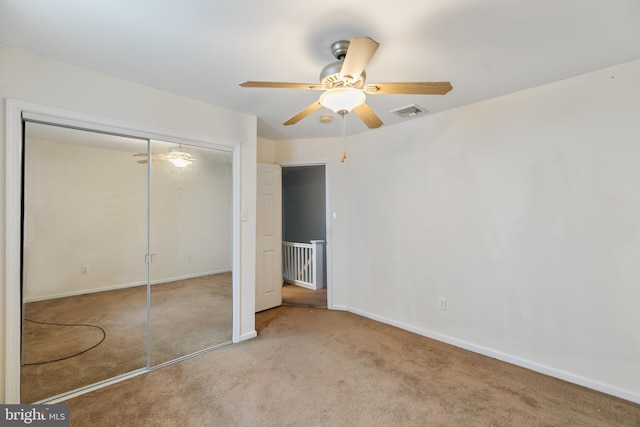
x=327 y=218
x=14 y=110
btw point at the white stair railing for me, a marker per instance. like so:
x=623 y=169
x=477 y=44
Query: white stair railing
x=303 y=264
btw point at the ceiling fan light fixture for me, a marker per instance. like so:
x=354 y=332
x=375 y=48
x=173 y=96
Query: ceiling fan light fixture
x=342 y=99
x=180 y=162
x=180 y=159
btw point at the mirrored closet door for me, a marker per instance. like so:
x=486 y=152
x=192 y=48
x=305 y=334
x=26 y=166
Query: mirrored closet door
x=126 y=256
x=190 y=247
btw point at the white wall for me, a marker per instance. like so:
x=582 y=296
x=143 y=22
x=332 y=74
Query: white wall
x=524 y=212
x=32 y=78
x=328 y=152
x=521 y=210
x=266 y=150
x=80 y=213
x=191 y=216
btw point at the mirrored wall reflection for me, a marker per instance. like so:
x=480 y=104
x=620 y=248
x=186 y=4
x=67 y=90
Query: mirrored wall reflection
x=84 y=276
x=190 y=246
x=108 y=228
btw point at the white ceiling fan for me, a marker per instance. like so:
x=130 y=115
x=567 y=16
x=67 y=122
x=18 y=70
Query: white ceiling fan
x=344 y=83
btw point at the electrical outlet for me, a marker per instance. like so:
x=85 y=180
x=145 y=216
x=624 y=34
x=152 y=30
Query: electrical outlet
x=84 y=269
x=442 y=304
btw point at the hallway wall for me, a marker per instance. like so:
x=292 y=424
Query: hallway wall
x=303 y=196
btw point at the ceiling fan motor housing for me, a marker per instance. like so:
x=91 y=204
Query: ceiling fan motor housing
x=330 y=77
x=339 y=49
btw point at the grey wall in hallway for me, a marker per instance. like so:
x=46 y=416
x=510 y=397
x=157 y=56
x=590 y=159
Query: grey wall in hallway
x=303 y=195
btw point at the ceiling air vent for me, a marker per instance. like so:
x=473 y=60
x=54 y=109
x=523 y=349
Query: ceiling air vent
x=410 y=111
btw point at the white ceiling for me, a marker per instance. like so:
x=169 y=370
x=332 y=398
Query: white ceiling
x=202 y=49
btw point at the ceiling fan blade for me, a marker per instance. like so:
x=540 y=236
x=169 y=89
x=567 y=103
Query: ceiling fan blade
x=281 y=85
x=153 y=155
x=302 y=114
x=418 y=88
x=367 y=115
x=359 y=54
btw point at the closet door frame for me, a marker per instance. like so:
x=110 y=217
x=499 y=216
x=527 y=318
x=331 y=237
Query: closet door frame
x=16 y=111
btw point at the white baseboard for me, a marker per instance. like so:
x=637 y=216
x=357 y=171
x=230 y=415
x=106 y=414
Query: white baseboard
x=303 y=284
x=485 y=351
x=122 y=286
x=248 y=335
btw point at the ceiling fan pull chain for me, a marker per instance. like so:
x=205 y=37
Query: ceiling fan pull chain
x=344 y=150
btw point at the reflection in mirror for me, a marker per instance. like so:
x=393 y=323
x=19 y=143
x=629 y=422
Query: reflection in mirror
x=127 y=256
x=190 y=247
x=84 y=275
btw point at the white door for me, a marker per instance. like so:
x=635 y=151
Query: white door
x=269 y=237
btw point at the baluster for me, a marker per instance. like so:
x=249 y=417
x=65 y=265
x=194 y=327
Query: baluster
x=310 y=266
x=301 y=264
x=291 y=255
x=310 y=269
x=285 y=263
x=284 y=260
x=288 y=262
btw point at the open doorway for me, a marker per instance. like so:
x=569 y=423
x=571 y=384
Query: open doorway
x=304 y=222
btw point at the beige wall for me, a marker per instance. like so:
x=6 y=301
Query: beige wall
x=80 y=214
x=328 y=152
x=522 y=211
x=35 y=79
x=266 y=150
